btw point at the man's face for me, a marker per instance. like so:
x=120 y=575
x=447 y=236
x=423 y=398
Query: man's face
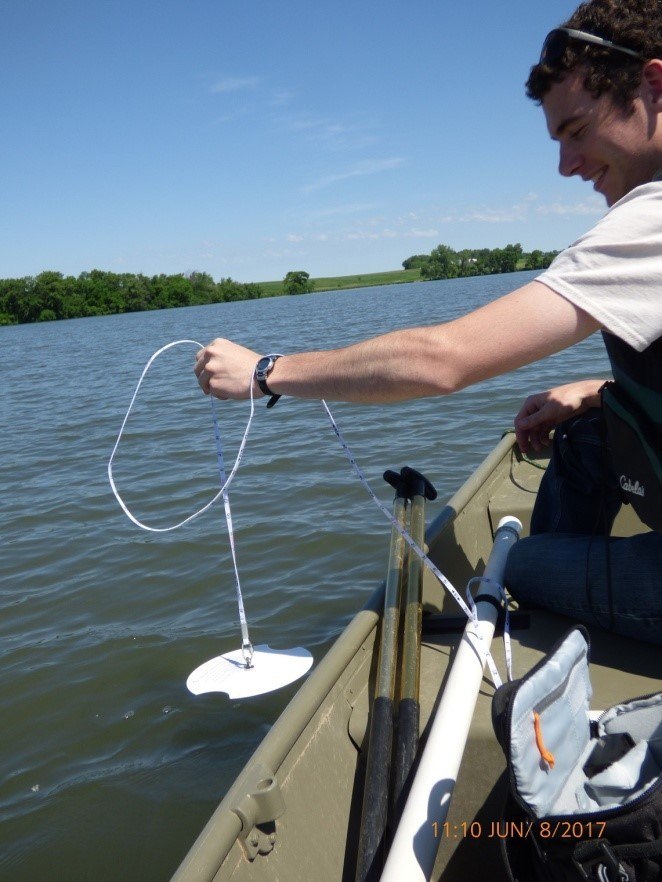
x=617 y=149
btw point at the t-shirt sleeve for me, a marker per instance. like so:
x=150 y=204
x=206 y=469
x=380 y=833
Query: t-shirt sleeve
x=614 y=272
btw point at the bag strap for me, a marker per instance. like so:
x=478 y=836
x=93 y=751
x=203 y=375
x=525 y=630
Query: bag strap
x=598 y=859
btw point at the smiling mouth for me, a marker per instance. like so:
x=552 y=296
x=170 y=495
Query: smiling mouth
x=596 y=179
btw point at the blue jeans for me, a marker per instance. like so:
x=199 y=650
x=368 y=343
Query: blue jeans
x=567 y=564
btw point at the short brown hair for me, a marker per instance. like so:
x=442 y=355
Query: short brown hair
x=634 y=24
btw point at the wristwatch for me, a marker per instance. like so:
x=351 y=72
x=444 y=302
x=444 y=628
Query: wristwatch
x=262 y=370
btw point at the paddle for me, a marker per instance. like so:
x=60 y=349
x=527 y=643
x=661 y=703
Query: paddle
x=414 y=848
x=375 y=793
x=418 y=489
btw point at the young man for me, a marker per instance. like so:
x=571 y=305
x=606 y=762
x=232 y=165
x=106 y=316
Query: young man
x=599 y=81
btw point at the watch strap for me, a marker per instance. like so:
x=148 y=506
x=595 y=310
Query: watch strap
x=262 y=382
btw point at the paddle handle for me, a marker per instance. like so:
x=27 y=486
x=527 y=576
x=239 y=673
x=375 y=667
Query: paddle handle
x=375 y=793
x=408 y=709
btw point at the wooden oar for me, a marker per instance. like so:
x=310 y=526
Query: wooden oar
x=375 y=793
x=408 y=710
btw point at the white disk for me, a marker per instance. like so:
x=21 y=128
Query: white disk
x=271 y=669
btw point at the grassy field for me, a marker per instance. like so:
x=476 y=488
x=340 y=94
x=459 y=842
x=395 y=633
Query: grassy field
x=365 y=280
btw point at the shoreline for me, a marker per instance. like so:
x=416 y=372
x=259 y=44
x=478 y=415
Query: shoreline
x=359 y=280
x=51 y=305
x=362 y=280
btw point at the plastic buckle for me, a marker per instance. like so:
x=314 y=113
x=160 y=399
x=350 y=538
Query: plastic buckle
x=601 y=861
x=247 y=652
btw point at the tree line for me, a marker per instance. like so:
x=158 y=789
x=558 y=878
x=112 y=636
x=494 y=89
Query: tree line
x=445 y=263
x=50 y=295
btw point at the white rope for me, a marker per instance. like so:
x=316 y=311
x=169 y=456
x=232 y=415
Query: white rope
x=405 y=535
x=496 y=679
x=246 y=646
x=225 y=483
x=247 y=649
x=470 y=610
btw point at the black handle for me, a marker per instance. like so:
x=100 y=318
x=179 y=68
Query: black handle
x=409 y=483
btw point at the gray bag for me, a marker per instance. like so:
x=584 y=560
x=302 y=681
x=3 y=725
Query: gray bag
x=584 y=796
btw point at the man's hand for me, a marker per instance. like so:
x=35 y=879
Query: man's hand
x=542 y=412
x=225 y=370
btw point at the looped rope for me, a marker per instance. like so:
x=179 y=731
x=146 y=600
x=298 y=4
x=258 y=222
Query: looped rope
x=225 y=483
x=247 y=648
x=246 y=645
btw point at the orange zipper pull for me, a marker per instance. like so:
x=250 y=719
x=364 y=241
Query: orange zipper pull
x=547 y=755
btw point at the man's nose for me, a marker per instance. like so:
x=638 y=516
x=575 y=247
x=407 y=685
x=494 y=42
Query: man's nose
x=570 y=160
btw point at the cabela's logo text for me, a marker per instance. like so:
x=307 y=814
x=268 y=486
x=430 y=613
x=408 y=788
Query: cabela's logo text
x=629 y=487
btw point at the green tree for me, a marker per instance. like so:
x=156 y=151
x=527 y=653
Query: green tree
x=467 y=263
x=416 y=261
x=297 y=282
x=24 y=301
x=229 y=291
x=533 y=261
x=538 y=260
x=203 y=288
x=102 y=293
x=512 y=254
x=49 y=291
x=442 y=264
x=503 y=260
x=169 y=292
x=12 y=294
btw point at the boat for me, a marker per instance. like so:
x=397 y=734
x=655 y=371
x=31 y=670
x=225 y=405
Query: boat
x=294 y=812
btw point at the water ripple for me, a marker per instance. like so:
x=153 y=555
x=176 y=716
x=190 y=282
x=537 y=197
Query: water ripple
x=101 y=624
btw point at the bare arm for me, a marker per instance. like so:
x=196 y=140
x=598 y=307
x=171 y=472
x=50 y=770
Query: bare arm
x=524 y=326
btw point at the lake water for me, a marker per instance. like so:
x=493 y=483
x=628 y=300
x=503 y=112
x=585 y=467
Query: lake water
x=109 y=767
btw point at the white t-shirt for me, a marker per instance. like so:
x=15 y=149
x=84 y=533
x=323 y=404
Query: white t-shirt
x=614 y=272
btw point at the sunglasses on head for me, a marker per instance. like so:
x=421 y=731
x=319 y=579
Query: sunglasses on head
x=557 y=40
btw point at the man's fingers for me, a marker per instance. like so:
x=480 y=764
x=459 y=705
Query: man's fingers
x=522 y=441
x=201 y=360
x=203 y=379
x=540 y=439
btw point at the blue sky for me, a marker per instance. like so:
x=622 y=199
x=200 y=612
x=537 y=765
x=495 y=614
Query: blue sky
x=246 y=139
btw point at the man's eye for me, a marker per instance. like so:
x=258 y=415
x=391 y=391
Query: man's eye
x=578 y=132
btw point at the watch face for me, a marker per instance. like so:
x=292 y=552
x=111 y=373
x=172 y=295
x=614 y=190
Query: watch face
x=263 y=364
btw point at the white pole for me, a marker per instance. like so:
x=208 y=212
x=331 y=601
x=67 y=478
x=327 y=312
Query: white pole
x=414 y=848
